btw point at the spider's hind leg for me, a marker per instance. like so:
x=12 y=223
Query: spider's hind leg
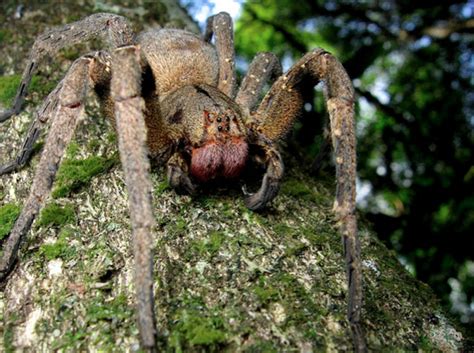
x=70 y=96
x=264 y=67
x=100 y=75
x=221 y=26
x=115 y=29
x=40 y=119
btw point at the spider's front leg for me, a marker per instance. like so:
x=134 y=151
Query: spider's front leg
x=132 y=134
x=276 y=115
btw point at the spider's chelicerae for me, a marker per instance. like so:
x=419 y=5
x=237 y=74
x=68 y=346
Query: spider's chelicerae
x=173 y=98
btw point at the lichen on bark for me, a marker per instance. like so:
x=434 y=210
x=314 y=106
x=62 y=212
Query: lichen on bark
x=227 y=279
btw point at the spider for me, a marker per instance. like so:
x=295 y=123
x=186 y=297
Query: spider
x=173 y=99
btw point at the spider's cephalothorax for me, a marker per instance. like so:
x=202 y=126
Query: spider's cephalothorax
x=172 y=97
x=212 y=130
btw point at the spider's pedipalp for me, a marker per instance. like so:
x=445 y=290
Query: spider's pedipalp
x=264 y=67
x=276 y=115
x=114 y=29
x=271 y=179
x=70 y=96
x=221 y=26
x=177 y=172
x=131 y=129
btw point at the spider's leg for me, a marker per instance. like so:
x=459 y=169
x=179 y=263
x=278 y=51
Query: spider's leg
x=70 y=98
x=277 y=113
x=131 y=129
x=264 y=67
x=221 y=26
x=40 y=119
x=271 y=179
x=99 y=72
x=178 y=175
x=113 y=28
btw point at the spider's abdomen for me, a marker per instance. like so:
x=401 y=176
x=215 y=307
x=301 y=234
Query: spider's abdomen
x=178 y=58
x=218 y=159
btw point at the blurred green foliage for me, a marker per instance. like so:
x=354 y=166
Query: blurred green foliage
x=412 y=65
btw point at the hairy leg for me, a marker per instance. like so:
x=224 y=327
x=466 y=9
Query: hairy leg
x=70 y=96
x=40 y=120
x=221 y=26
x=100 y=74
x=113 y=29
x=277 y=113
x=271 y=179
x=264 y=67
x=131 y=129
x=178 y=175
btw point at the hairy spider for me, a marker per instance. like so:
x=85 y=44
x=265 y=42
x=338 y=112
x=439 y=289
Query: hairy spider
x=172 y=98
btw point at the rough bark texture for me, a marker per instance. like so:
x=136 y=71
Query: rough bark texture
x=228 y=279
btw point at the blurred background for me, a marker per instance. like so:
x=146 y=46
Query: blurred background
x=412 y=65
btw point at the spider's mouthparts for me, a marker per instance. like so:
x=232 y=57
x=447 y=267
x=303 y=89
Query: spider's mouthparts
x=217 y=159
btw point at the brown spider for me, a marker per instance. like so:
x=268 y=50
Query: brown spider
x=173 y=99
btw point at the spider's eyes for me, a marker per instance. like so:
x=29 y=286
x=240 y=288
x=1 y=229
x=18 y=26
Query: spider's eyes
x=219 y=128
x=219 y=119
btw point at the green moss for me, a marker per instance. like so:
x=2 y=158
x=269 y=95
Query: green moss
x=209 y=246
x=179 y=226
x=42 y=85
x=8 y=334
x=283 y=230
x=300 y=190
x=299 y=304
x=264 y=292
x=207 y=201
x=73 y=174
x=103 y=314
x=162 y=187
x=111 y=137
x=8 y=87
x=61 y=248
x=196 y=327
x=71 y=53
x=56 y=215
x=295 y=248
x=4 y=35
x=116 y=309
x=8 y=215
x=94 y=145
x=215 y=242
x=261 y=347
x=72 y=150
x=71 y=340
